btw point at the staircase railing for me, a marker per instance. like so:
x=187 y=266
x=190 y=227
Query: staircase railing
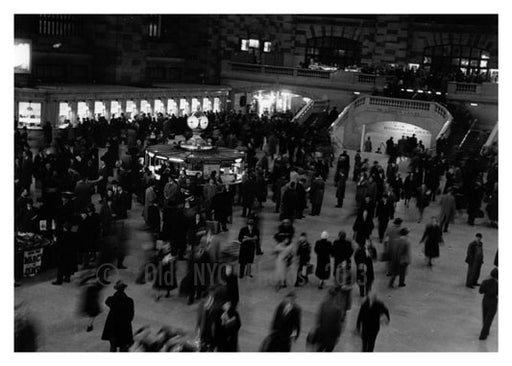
x=304 y=112
x=468 y=133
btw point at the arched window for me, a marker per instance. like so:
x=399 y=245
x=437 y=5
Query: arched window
x=334 y=51
x=467 y=60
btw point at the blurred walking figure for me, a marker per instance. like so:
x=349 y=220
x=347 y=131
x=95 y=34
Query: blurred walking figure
x=364 y=265
x=25 y=330
x=90 y=306
x=286 y=326
x=474 y=259
x=207 y=314
x=399 y=257
x=329 y=322
x=489 y=288
x=226 y=329
x=323 y=250
x=448 y=210
x=433 y=236
x=118 y=326
x=165 y=277
x=422 y=200
x=303 y=256
x=284 y=251
x=369 y=319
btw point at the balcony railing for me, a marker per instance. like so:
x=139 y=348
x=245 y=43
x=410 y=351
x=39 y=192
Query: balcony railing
x=466 y=88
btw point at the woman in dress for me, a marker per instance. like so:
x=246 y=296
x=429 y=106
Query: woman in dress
x=249 y=238
x=323 y=250
x=432 y=237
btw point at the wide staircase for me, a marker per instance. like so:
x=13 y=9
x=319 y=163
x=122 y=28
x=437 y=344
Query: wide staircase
x=312 y=112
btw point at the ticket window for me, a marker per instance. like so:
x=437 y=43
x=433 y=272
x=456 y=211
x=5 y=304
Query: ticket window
x=131 y=108
x=29 y=114
x=184 y=107
x=145 y=107
x=82 y=110
x=115 y=108
x=99 y=108
x=216 y=105
x=196 y=106
x=64 y=112
x=207 y=105
x=172 y=107
x=159 y=106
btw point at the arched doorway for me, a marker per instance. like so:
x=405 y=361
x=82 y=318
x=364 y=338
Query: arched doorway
x=380 y=132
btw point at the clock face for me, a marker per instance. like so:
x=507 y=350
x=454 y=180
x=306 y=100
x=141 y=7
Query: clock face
x=203 y=122
x=192 y=122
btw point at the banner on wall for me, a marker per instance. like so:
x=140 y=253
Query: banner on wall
x=380 y=132
x=32 y=260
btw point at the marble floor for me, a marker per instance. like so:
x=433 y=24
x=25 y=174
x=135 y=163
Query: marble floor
x=435 y=312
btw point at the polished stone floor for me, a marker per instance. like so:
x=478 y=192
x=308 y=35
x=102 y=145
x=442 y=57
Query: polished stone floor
x=435 y=312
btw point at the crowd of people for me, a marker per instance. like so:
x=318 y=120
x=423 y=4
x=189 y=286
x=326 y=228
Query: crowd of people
x=100 y=159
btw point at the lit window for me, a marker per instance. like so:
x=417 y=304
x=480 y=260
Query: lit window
x=159 y=106
x=254 y=43
x=131 y=107
x=216 y=105
x=155 y=26
x=483 y=63
x=184 y=107
x=172 y=107
x=29 y=114
x=207 y=105
x=82 y=110
x=99 y=108
x=145 y=107
x=245 y=45
x=196 y=106
x=267 y=46
x=115 y=107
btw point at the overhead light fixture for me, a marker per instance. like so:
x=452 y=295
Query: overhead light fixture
x=357 y=93
x=420 y=91
x=410 y=90
x=438 y=93
x=29 y=108
x=473 y=104
x=57 y=45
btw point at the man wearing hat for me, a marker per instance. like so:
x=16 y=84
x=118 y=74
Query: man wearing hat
x=118 y=326
x=248 y=237
x=399 y=257
x=474 y=259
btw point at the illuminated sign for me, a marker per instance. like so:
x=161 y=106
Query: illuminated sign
x=22 y=53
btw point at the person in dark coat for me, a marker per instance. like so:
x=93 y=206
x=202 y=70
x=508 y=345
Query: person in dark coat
x=363 y=227
x=316 y=195
x=323 y=250
x=286 y=325
x=118 y=326
x=91 y=298
x=409 y=188
x=474 y=259
x=227 y=326
x=222 y=205
x=289 y=203
x=364 y=265
x=329 y=322
x=384 y=213
x=399 y=257
x=230 y=280
x=248 y=237
x=448 y=209
x=433 y=236
x=368 y=320
x=301 y=198
x=422 y=200
x=66 y=254
x=342 y=252
x=489 y=288
x=340 y=189
x=304 y=256
x=475 y=196
x=249 y=190
x=208 y=313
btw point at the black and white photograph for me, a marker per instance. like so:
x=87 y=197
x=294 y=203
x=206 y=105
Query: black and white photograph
x=254 y=181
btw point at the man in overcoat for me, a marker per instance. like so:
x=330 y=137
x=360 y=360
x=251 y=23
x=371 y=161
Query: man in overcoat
x=118 y=326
